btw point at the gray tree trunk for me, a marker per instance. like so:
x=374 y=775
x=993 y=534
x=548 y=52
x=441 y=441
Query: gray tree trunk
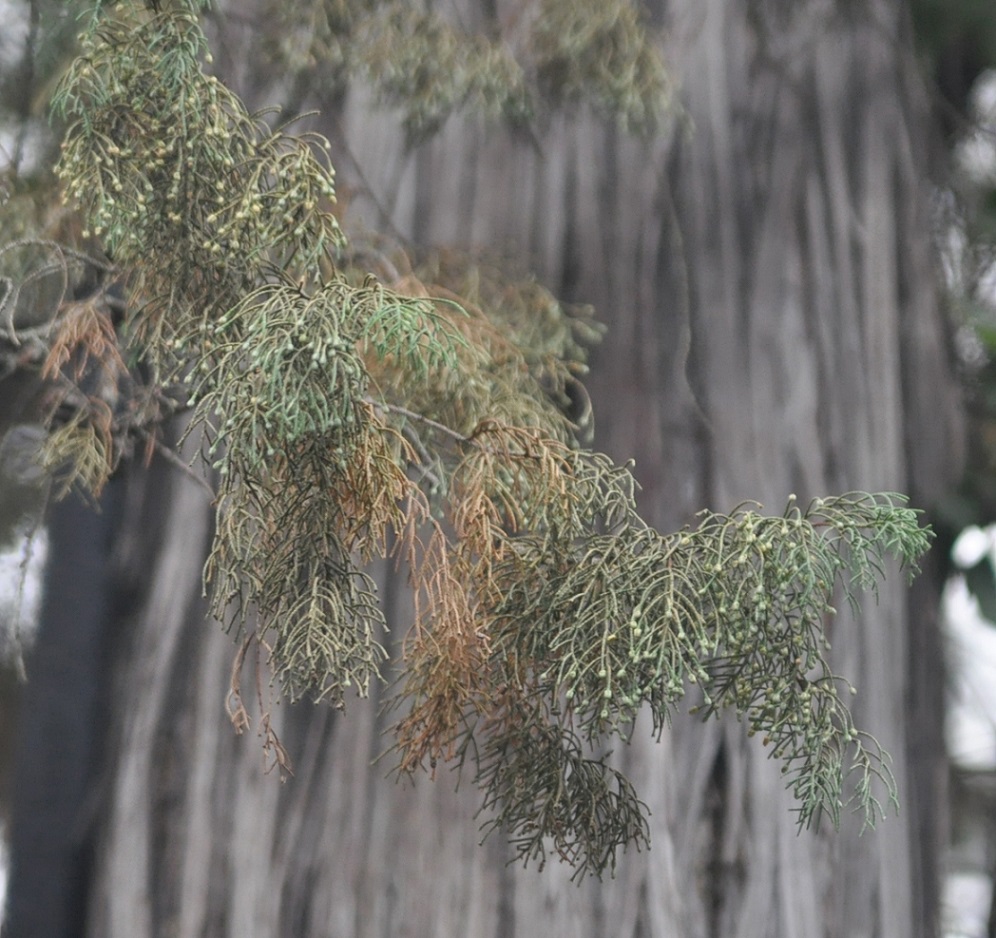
x=774 y=328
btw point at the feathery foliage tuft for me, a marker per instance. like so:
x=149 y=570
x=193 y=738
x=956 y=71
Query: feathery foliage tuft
x=433 y=415
x=518 y=67
x=598 y=52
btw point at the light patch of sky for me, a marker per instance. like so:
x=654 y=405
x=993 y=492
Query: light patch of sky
x=13 y=36
x=32 y=141
x=20 y=598
x=971 y=717
x=976 y=154
x=966 y=904
x=972 y=654
x=971 y=640
x=21 y=587
x=14 y=32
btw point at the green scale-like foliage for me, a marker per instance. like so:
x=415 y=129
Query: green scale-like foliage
x=346 y=416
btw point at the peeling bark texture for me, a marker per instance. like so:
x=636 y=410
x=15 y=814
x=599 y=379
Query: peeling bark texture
x=767 y=278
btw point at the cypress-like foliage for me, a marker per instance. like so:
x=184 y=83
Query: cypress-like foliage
x=426 y=414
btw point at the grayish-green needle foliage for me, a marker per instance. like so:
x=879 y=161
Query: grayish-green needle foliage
x=346 y=418
x=542 y=56
x=736 y=605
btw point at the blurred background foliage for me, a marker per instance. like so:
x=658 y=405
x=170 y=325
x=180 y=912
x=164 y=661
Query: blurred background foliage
x=957 y=42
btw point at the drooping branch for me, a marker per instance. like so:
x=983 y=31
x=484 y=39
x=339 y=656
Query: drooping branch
x=347 y=418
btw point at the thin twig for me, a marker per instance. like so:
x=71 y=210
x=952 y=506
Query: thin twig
x=176 y=461
x=421 y=418
x=233 y=702
x=426 y=459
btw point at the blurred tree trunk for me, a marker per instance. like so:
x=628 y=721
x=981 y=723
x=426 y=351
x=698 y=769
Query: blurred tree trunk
x=767 y=277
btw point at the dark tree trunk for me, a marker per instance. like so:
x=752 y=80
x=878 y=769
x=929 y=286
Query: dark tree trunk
x=767 y=278
x=61 y=728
